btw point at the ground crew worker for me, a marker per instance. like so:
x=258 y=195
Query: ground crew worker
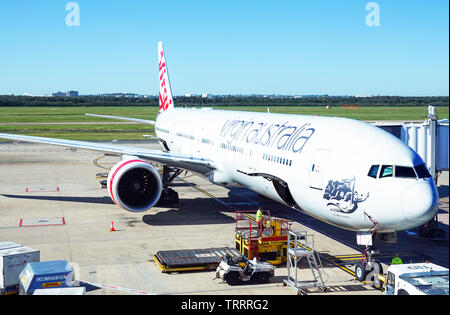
x=396 y=260
x=259 y=217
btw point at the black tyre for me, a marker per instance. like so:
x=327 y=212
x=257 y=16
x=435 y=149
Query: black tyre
x=377 y=284
x=173 y=196
x=261 y=277
x=233 y=278
x=380 y=268
x=360 y=272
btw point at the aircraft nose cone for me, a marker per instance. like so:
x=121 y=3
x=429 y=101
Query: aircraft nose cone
x=420 y=202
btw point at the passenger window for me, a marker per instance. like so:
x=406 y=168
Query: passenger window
x=422 y=171
x=386 y=171
x=405 y=172
x=373 y=171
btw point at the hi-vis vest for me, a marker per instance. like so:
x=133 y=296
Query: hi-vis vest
x=259 y=216
x=396 y=261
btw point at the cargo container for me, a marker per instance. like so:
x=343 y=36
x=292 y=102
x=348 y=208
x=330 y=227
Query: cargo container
x=7 y=245
x=45 y=275
x=12 y=262
x=61 y=291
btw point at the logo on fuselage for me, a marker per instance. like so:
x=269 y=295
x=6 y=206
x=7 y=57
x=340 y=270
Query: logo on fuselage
x=274 y=135
x=342 y=196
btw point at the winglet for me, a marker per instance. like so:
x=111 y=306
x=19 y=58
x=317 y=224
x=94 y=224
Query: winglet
x=165 y=92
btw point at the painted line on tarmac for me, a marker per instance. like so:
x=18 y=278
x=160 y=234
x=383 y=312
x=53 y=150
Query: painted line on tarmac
x=223 y=203
x=105 y=286
x=96 y=162
x=196 y=187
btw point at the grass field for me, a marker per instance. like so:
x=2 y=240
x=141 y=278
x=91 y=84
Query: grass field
x=37 y=119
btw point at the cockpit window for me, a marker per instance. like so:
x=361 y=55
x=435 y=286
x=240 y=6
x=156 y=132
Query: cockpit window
x=406 y=172
x=373 y=171
x=422 y=171
x=387 y=171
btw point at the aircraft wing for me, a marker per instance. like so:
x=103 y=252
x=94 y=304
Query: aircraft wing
x=191 y=163
x=142 y=121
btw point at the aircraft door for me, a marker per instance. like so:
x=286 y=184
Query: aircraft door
x=318 y=168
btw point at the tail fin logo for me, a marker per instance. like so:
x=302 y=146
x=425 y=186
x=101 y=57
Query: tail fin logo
x=165 y=94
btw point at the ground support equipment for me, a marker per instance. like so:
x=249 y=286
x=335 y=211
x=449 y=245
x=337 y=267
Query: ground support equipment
x=301 y=245
x=193 y=259
x=232 y=271
x=266 y=241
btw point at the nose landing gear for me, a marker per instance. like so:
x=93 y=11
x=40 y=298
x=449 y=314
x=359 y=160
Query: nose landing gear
x=369 y=268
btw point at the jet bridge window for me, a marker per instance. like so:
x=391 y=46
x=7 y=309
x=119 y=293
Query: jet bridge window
x=387 y=171
x=405 y=172
x=374 y=171
x=422 y=171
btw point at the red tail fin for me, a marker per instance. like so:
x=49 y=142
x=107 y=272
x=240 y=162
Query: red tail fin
x=165 y=93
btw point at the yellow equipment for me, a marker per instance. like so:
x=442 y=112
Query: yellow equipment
x=267 y=240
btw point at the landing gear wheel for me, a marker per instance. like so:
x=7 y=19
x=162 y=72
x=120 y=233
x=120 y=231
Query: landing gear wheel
x=173 y=197
x=374 y=275
x=169 y=198
x=380 y=268
x=360 y=272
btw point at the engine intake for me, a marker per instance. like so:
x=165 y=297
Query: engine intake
x=134 y=185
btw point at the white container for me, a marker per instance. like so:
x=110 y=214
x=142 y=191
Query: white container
x=12 y=262
x=6 y=245
x=61 y=291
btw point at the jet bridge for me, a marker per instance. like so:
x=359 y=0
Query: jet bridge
x=430 y=139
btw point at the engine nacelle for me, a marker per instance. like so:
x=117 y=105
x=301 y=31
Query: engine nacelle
x=134 y=185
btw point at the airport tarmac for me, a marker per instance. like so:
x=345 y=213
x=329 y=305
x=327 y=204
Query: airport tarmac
x=50 y=200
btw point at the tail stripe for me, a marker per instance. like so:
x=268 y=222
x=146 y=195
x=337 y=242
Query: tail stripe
x=165 y=93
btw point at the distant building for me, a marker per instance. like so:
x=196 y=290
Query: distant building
x=72 y=93
x=68 y=93
x=58 y=94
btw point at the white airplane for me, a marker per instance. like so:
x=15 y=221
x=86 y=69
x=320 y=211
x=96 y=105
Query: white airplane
x=345 y=172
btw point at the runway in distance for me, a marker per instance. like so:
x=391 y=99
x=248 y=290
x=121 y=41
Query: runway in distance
x=344 y=172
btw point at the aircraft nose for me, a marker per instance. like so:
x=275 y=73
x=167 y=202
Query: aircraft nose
x=420 y=202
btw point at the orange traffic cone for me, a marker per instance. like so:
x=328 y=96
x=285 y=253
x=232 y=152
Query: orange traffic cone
x=111 y=228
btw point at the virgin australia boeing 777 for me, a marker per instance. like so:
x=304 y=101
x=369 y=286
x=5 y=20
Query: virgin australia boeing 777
x=341 y=171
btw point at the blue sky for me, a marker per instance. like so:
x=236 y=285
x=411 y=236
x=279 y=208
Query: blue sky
x=226 y=47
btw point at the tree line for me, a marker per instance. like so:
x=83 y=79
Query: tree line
x=7 y=100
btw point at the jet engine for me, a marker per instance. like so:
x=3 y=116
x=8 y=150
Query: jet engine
x=134 y=185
